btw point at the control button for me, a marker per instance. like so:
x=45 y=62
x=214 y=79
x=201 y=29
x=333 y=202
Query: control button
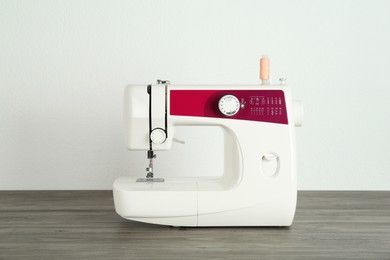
x=243 y=103
x=229 y=105
x=270 y=164
x=158 y=136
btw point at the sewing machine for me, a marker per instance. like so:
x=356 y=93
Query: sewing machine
x=258 y=185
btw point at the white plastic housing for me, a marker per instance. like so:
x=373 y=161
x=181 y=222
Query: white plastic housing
x=257 y=188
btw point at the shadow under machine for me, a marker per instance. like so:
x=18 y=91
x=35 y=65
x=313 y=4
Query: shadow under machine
x=258 y=185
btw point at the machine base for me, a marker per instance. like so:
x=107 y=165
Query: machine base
x=186 y=203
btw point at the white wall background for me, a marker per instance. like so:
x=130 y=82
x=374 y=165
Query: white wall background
x=64 y=64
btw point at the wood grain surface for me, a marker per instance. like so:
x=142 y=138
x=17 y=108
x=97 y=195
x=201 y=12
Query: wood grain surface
x=84 y=225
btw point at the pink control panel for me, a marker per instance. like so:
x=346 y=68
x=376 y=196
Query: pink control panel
x=255 y=105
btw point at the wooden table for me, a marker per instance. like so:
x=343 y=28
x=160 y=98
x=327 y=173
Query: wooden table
x=84 y=225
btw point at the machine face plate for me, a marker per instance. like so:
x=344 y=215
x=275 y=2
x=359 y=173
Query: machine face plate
x=255 y=105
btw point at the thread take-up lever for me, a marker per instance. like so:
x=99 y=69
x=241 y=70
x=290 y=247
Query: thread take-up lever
x=178 y=141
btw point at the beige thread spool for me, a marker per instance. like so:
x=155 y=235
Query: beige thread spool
x=264 y=70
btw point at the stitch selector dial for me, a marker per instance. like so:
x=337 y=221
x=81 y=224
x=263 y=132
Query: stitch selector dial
x=229 y=105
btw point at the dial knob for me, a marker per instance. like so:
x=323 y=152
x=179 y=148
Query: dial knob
x=158 y=136
x=229 y=105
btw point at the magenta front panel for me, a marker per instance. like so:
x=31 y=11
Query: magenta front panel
x=259 y=105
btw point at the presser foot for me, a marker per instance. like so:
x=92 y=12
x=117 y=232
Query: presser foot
x=150 y=180
x=149 y=171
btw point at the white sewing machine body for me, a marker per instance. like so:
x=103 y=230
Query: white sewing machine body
x=258 y=186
